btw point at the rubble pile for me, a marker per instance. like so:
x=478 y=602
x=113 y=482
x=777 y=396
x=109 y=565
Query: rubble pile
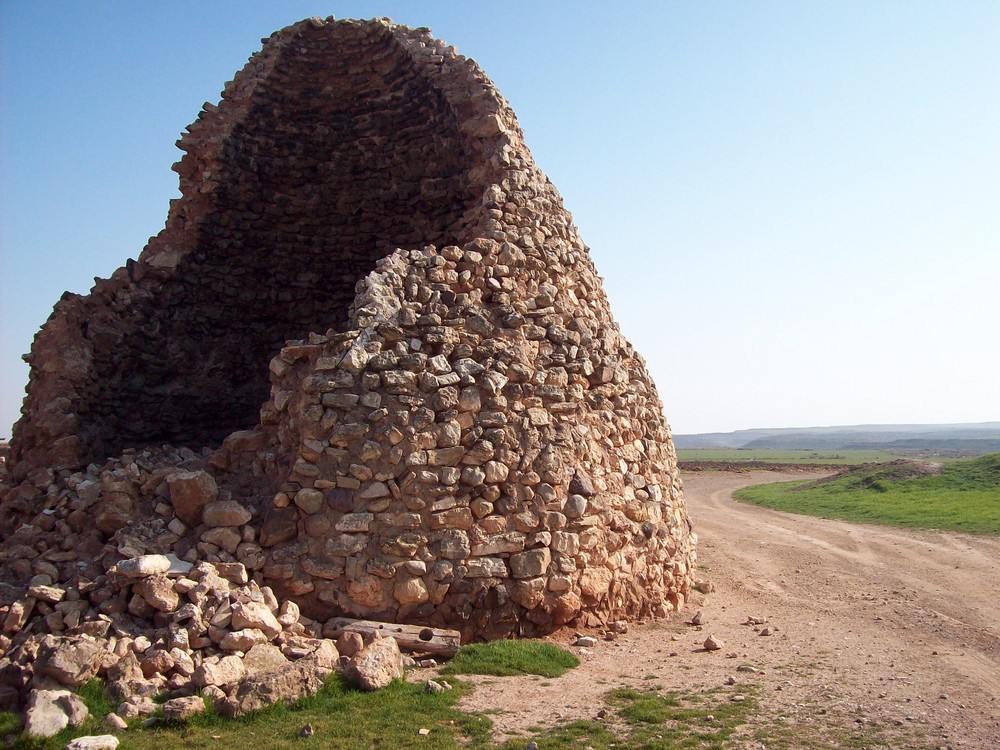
x=103 y=595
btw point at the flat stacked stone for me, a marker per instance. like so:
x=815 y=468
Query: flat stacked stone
x=373 y=306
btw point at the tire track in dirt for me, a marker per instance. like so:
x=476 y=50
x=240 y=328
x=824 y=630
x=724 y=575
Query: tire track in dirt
x=926 y=601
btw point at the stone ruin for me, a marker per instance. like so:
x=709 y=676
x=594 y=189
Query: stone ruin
x=368 y=360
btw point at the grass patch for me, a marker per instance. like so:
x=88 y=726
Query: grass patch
x=511 y=658
x=573 y=735
x=963 y=496
x=778 y=737
x=10 y=724
x=342 y=717
x=98 y=703
x=651 y=720
x=673 y=720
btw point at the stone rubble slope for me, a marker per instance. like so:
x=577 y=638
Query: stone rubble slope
x=150 y=624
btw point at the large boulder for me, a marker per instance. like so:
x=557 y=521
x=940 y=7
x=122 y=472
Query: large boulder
x=190 y=492
x=264 y=657
x=69 y=661
x=265 y=688
x=51 y=711
x=183 y=708
x=228 y=670
x=376 y=665
x=256 y=615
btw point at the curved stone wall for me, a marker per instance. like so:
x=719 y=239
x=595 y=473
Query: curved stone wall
x=368 y=278
x=316 y=163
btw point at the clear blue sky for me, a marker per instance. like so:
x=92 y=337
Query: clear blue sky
x=795 y=205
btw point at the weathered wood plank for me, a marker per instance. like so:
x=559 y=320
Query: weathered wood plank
x=437 y=641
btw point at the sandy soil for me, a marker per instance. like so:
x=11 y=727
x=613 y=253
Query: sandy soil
x=877 y=632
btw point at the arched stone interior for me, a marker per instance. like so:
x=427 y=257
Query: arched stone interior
x=345 y=154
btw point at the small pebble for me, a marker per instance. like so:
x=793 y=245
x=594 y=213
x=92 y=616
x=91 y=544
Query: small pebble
x=115 y=721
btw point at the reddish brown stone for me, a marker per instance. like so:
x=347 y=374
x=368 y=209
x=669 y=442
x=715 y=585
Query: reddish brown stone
x=280 y=525
x=190 y=492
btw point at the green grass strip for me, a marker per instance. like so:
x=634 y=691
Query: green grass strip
x=511 y=658
x=341 y=717
x=964 y=496
x=784 y=456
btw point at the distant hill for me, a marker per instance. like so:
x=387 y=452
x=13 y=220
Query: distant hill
x=954 y=439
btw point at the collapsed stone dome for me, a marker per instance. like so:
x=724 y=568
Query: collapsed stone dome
x=372 y=306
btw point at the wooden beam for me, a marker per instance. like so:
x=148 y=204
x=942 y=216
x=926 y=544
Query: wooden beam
x=419 y=638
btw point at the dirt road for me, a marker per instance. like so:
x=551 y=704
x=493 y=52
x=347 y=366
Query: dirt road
x=876 y=632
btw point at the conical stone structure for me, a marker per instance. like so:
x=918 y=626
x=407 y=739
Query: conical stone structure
x=453 y=429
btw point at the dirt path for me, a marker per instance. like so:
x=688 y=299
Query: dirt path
x=874 y=630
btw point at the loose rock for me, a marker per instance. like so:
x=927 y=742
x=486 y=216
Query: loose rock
x=712 y=643
x=376 y=665
x=46 y=715
x=94 y=742
x=142 y=566
x=115 y=721
x=261 y=690
x=181 y=709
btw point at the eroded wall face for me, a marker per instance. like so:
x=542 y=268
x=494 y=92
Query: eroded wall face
x=344 y=155
x=474 y=444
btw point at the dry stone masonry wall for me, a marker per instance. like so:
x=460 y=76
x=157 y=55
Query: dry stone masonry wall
x=385 y=352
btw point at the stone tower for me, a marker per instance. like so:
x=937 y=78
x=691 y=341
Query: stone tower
x=374 y=309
